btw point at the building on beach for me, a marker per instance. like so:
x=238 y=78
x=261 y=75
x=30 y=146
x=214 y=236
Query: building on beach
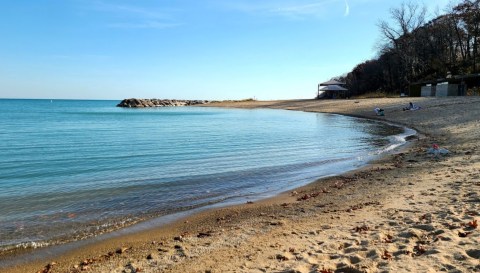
x=332 y=90
x=456 y=85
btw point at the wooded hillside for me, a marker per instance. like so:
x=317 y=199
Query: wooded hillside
x=415 y=49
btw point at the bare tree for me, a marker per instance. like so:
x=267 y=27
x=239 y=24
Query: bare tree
x=468 y=23
x=400 y=36
x=406 y=19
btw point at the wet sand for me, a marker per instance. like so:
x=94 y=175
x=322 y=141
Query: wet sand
x=407 y=212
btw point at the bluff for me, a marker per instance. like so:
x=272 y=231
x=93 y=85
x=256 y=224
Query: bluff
x=140 y=103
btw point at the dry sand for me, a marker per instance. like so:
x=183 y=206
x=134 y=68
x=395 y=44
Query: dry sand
x=408 y=212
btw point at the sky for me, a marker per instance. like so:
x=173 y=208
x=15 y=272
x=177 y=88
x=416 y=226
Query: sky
x=184 y=49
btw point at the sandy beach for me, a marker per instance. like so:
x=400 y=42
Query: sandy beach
x=410 y=211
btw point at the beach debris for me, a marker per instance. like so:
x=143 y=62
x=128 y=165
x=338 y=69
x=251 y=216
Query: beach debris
x=304 y=197
x=338 y=185
x=281 y=257
x=360 y=206
x=473 y=224
x=424 y=217
x=132 y=268
x=106 y=256
x=48 y=268
x=122 y=250
x=249 y=202
x=356 y=207
x=307 y=196
x=323 y=270
x=85 y=262
x=276 y=245
x=419 y=250
x=436 y=151
x=361 y=229
x=388 y=239
x=441 y=238
x=463 y=234
x=386 y=255
x=312 y=195
x=178 y=238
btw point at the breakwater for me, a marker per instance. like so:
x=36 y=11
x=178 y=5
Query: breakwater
x=140 y=103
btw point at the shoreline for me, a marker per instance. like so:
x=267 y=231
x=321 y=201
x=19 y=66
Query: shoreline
x=17 y=255
x=67 y=243
x=323 y=200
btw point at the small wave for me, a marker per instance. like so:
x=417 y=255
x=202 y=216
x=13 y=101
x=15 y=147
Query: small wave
x=396 y=141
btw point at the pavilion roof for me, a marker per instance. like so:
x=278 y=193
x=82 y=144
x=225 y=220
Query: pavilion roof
x=331 y=82
x=333 y=87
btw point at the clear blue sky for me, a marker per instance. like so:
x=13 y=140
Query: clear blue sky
x=184 y=49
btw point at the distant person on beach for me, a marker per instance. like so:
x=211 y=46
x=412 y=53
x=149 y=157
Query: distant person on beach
x=379 y=111
x=411 y=106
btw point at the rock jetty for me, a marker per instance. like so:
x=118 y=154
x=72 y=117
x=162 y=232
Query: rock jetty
x=140 y=103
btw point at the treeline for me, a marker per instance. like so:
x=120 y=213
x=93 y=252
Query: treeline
x=415 y=49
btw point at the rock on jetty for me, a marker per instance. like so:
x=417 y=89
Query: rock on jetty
x=140 y=103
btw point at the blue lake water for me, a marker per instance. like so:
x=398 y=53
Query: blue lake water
x=72 y=169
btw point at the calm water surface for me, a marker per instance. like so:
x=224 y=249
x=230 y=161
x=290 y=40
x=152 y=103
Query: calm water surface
x=71 y=169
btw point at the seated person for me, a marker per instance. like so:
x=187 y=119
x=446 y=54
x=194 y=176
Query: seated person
x=411 y=106
x=379 y=111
